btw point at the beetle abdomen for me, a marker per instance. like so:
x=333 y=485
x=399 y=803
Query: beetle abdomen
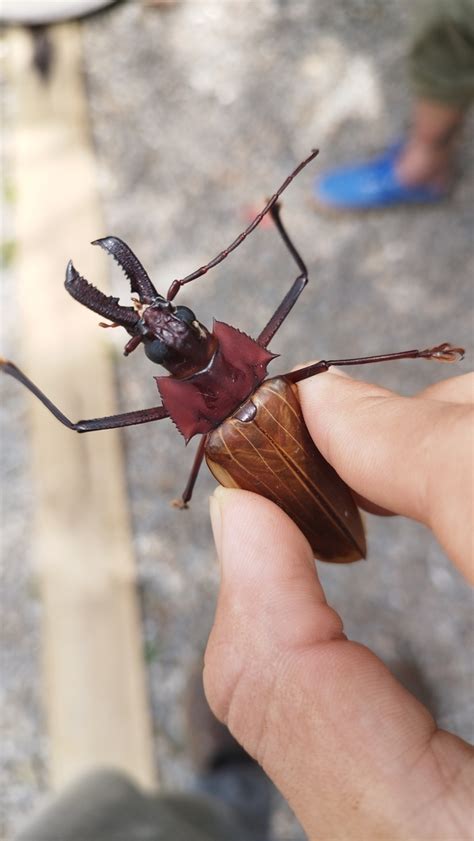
x=265 y=447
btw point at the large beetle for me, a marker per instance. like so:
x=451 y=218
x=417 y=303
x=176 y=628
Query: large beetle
x=252 y=431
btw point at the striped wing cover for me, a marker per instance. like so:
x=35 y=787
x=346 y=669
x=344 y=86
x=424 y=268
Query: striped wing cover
x=273 y=455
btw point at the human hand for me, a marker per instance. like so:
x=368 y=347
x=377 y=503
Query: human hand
x=354 y=753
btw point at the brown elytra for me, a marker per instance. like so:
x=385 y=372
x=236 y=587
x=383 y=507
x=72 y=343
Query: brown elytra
x=265 y=447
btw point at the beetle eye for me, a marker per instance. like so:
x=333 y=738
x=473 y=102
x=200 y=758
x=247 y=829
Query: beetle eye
x=185 y=314
x=156 y=350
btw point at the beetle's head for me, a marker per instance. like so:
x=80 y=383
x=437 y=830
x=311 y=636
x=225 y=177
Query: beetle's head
x=174 y=338
x=171 y=335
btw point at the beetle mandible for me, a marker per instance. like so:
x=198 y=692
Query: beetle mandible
x=252 y=431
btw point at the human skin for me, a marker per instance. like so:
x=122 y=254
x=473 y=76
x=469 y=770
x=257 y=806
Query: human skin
x=427 y=156
x=353 y=752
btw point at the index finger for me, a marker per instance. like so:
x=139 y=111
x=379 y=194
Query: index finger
x=455 y=390
x=409 y=455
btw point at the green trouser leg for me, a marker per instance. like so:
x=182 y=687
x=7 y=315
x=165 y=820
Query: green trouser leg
x=106 y=806
x=442 y=53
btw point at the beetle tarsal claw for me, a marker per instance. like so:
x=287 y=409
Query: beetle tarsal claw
x=179 y=503
x=444 y=353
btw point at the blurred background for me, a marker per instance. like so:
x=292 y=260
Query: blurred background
x=195 y=112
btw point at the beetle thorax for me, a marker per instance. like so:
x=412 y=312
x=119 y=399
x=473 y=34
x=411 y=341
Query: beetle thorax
x=174 y=338
x=200 y=402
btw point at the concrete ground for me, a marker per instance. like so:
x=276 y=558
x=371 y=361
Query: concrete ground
x=198 y=111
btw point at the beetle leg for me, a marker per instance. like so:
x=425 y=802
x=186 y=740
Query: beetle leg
x=292 y=296
x=182 y=502
x=93 y=424
x=440 y=353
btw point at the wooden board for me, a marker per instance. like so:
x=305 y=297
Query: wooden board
x=95 y=687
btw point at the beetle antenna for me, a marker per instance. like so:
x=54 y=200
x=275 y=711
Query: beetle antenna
x=177 y=284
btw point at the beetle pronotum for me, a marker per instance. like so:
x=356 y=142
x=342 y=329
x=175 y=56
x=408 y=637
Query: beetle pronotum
x=252 y=431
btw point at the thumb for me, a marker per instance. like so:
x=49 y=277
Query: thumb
x=270 y=597
x=271 y=610
x=322 y=715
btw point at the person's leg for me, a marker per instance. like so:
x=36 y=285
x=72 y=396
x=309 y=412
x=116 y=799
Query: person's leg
x=441 y=65
x=427 y=155
x=441 y=55
x=418 y=169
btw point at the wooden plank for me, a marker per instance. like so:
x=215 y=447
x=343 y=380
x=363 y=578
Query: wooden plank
x=95 y=687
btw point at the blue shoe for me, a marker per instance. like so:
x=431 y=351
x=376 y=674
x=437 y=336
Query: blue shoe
x=370 y=185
